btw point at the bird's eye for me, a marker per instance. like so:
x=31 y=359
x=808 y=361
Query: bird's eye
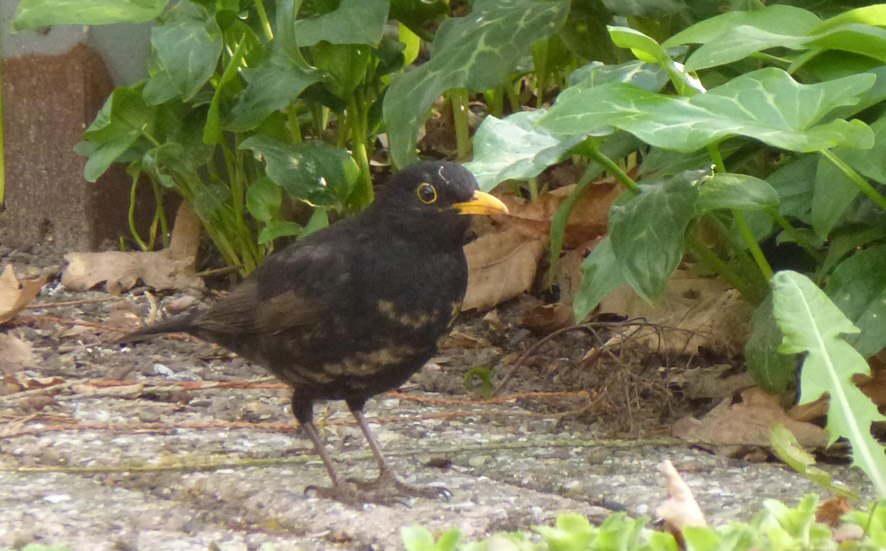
x=427 y=194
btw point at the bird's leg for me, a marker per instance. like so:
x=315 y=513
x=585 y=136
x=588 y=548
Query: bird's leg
x=387 y=482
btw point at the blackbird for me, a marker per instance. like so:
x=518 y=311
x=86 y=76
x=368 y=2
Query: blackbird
x=356 y=308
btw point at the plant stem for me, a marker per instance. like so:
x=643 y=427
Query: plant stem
x=496 y=102
x=798 y=238
x=707 y=256
x=613 y=169
x=294 y=126
x=753 y=246
x=132 y=196
x=856 y=178
x=357 y=121
x=160 y=215
x=458 y=99
x=263 y=17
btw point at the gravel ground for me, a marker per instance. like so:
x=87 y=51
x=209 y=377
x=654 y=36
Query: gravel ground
x=153 y=463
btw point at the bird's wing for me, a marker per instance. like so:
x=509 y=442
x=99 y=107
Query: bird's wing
x=292 y=288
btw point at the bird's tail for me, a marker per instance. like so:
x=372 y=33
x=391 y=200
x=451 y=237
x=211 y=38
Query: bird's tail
x=180 y=324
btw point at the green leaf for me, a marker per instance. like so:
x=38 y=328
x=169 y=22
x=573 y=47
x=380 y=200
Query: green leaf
x=776 y=18
x=858 y=287
x=417 y=538
x=354 y=22
x=314 y=172
x=832 y=194
x=115 y=129
x=263 y=199
x=788 y=449
x=188 y=46
x=449 y=540
x=346 y=64
x=649 y=76
x=736 y=191
x=869 y=162
x=794 y=183
x=31 y=14
x=811 y=323
x=475 y=52
x=278 y=228
x=767 y=105
x=646 y=231
x=773 y=371
x=512 y=148
x=272 y=85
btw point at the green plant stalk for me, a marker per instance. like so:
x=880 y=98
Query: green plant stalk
x=612 y=168
x=496 y=102
x=131 y=215
x=159 y=215
x=856 y=178
x=357 y=118
x=458 y=100
x=707 y=256
x=294 y=126
x=533 y=189
x=513 y=93
x=263 y=17
x=753 y=246
x=740 y=220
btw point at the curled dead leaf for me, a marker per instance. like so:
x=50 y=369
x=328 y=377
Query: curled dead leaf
x=15 y=355
x=547 y=318
x=171 y=268
x=500 y=266
x=16 y=295
x=680 y=509
x=747 y=422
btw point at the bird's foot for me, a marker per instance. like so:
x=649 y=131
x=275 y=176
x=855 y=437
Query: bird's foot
x=388 y=484
x=352 y=494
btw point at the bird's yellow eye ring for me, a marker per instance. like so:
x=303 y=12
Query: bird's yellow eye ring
x=427 y=193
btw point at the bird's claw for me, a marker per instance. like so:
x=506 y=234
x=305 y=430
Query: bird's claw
x=390 y=485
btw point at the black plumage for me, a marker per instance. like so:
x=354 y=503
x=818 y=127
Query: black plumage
x=356 y=308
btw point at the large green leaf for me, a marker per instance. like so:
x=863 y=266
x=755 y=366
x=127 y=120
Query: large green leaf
x=188 y=46
x=833 y=193
x=272 y=85
x=600 y=275
x=736 y=191
x=795 y=182
x=354 y=22
x=645 y=75
x=314 y=172
x=115 y=129
x=869 y=162
x=31 y=14
x=858 y=287
x=773 y=371
x=811 y=323
x=477 y=52
x=512 y=148
x=767 y=105
x=647 y=229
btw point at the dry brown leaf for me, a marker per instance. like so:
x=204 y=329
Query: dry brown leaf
x=680 y=509
x=747 y=423
x=15 y=355
x=587 y=220
x=20 y=381
x=16 y=295
x=172 y=268
x=547 y=318
x=694 y=311
x=831 y=510
x=500 y=266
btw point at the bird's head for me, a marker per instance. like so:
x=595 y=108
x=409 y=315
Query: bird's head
x=438 y=194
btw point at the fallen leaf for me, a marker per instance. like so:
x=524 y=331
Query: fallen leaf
x=547 y=318
x=15 y=355
x=831 y=510
x=693 y=312
x=680 y=509
x=587 y=220
x=171 y=268
x=16 y=295
x=747 y=423
x=20 y=381
x=500 y=266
